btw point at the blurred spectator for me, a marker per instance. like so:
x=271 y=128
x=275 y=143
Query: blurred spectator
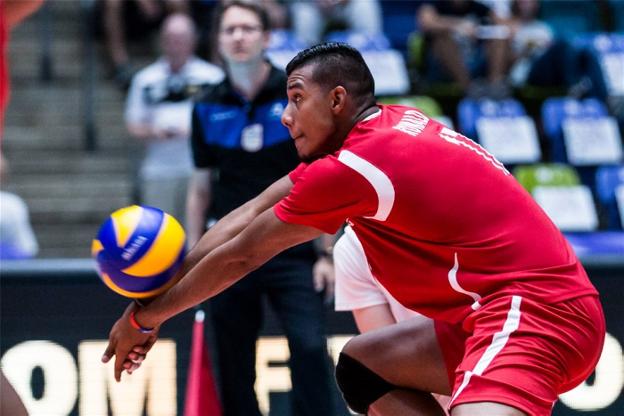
x=311 y=19
x=158 y=112
x=240 y=147
x=124 y=17
x=531 y=39
x=466 y=38
x=17 y=239
x=537 y=58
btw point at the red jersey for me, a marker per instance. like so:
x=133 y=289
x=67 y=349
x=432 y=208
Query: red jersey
x=444 y=225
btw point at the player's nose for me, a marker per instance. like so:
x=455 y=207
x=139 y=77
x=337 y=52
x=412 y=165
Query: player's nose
x=287 y=119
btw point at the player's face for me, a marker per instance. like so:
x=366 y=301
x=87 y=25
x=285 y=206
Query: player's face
x=241 y=36
x=308 y=115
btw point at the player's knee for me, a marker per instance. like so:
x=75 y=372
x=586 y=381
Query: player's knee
x=359 y=385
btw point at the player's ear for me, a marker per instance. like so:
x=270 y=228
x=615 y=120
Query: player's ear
x=338 y=97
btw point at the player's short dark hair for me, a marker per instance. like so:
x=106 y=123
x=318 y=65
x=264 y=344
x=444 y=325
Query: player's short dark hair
x=250 y=5
x=336 y=64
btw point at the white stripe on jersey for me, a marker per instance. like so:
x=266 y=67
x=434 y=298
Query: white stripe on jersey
x=378 y=180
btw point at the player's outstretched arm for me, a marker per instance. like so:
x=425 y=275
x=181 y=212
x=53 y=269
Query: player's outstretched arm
x=233 y=223
x=263 y=237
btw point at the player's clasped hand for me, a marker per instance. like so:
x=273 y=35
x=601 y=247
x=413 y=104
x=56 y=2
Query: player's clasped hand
x=127 y=344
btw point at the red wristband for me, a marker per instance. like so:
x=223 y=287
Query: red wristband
x=138 y=326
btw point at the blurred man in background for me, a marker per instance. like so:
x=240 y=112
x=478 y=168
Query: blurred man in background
x=158 y=113
x=239 y=148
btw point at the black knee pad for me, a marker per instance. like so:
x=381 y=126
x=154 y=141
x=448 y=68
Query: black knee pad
x=360 y=386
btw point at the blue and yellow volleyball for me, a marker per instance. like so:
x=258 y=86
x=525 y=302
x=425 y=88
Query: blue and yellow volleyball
x=138 y=251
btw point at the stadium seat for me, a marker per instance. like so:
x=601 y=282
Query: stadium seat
x=502 y=127
x=609 y=51
x=399 y=20
x=581 y=133
x=555 y=110
x=610 y=181
x=386 y=64
x=557 y=189
x=546 y=174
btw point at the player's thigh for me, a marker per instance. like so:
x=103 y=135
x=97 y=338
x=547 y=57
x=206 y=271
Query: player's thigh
x=405 y=354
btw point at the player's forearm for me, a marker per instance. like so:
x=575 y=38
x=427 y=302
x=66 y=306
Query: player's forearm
x=223 y=266
x=224 y=230
x=262 y=239
x=213 y=273
x=233 y=223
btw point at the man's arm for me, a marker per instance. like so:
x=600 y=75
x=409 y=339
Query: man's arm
x=262 y=239
x=234 y=222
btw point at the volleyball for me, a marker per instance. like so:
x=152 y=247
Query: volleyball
x=138 y=250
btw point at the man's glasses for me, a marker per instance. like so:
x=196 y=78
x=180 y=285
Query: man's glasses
x=246 y=29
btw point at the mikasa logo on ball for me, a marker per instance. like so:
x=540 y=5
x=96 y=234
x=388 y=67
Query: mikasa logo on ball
x=134 y=247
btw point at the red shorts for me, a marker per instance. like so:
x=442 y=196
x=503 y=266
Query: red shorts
x=522 y=353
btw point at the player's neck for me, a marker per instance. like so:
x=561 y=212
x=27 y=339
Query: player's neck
x=248 y=77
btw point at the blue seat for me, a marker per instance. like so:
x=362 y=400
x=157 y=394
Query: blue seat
x=385 y=63
x=556 y=110
x=607 y=49
x=502 y=127
x=399 y=20
x=470 y=110
x=608 y=178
